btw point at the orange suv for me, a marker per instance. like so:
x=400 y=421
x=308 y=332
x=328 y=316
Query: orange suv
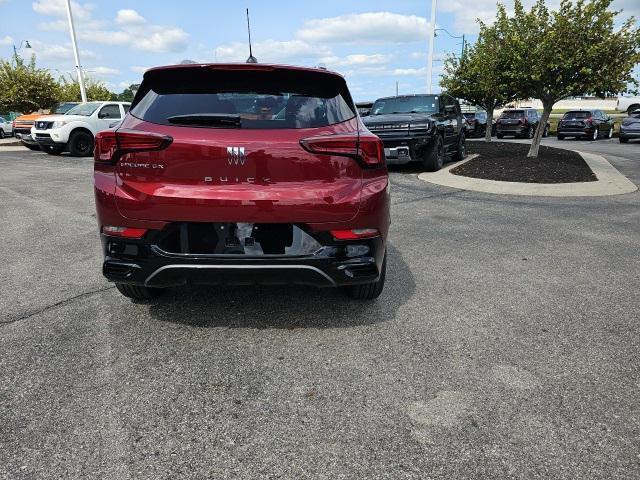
x=22 y=124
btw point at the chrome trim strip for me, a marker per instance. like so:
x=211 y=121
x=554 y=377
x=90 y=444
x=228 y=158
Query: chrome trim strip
x=243 y=267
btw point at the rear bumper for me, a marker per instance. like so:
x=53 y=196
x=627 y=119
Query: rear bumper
x=516 y=131
x=629 y=134
x=139 y=262
x=575 y=132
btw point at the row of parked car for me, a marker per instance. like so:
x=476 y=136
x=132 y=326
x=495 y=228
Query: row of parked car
x=523 y=123
x=591 y=124
x=71 y=127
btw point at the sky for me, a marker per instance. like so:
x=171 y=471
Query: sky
x=373 y=43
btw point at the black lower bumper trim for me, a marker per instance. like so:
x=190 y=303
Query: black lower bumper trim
x=48 y=142
x=338 y=265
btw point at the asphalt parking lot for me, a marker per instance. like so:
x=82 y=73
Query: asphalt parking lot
x=505 y=345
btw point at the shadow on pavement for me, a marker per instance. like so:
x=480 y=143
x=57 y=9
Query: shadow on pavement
x=286 y=307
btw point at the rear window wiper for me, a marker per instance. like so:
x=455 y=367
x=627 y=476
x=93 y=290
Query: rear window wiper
x=205 y=119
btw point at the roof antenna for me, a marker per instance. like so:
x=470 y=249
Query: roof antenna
x=251 y=58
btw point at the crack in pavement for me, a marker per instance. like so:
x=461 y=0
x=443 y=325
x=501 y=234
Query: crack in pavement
x=57 y=304
x=443 y=194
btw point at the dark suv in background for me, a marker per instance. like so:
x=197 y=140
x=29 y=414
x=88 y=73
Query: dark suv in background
x=519 y=123
x=423 y=128
x=476 y=123
x=591 y=124
x=242 y=174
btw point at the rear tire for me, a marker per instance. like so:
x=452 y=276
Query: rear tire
x=530 y=133
x=595 y=134
x=632 y=109
x=434 y=158
x=623 y=140
x=611 y=132
x=1 y=133
x=369 y=291
x=81 y=144
x=136 y=292
x=560 y=137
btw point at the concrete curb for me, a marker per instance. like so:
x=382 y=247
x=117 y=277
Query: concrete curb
x=610 y=182
x=13 y=148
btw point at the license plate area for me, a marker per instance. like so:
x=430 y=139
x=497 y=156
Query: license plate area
x=396 y=152
x=235 y=239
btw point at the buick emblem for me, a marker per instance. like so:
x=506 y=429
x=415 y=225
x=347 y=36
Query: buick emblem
x=235 y=155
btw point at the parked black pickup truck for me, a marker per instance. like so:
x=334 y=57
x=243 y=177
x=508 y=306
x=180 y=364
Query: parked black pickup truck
x=422 y=128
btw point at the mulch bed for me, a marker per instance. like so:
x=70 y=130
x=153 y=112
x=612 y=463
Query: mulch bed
x=508 y=162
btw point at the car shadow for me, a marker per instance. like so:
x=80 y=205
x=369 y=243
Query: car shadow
x=413 y=167
x=284 y=307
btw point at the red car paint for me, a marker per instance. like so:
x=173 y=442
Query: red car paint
x=300 y=187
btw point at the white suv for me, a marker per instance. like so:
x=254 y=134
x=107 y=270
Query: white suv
x=76 y=129
x=6 y=128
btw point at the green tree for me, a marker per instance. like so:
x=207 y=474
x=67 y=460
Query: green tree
x=127 y=94
x=575 y=50
x=478 y=77
x=26 y=88
x=70 y=90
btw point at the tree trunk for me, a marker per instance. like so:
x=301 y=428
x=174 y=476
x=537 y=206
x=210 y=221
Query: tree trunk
x=487 y=133
x=535 y=144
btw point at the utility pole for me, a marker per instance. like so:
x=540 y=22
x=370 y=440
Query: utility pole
x=432 y=36
x=396 y=88
x=74 y=43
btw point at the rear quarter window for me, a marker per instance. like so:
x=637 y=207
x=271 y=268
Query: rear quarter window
x=258 y=99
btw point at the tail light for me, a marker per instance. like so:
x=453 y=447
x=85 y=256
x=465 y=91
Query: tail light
x=588 y=121
x=524 y=121
x=110 y=145
x=367 y=149
x=125 y=232
x=355 y=234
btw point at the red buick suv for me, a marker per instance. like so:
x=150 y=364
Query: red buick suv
x=241 y=174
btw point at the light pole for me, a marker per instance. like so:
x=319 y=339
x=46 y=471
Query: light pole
x=72 y=30
x=452 y=36
x=16 y=50
x=432 y=35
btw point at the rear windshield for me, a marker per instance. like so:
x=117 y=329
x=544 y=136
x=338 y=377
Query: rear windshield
x=413 y=104
x=577 y=115
x=250 y=99
x=513 y=114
